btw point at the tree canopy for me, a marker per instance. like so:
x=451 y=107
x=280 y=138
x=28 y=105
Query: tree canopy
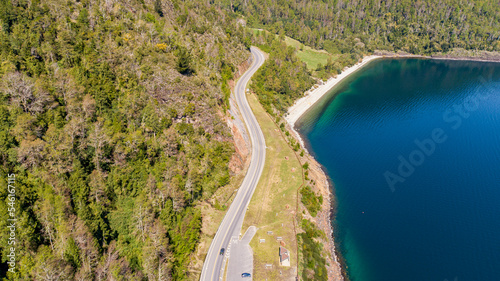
x=114 y=133
x=418 y=27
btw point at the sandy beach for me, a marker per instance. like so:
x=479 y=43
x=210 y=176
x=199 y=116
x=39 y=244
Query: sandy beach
x=317 y=91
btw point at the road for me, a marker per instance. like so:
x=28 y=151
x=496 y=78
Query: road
x=231 y=224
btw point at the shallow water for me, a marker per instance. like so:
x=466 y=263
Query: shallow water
x=413 y=147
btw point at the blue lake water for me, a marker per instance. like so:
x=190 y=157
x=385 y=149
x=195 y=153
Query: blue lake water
x=413 y=149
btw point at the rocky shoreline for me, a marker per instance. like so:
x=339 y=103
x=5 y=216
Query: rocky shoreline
x=456 y=54
x=325 y=216
x=323 y=219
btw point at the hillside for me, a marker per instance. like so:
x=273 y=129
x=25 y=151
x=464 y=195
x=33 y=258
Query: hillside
x=112 y=120
x=418 y=27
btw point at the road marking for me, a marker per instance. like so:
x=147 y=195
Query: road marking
x=256 y=169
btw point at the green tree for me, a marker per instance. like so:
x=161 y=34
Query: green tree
x=158 y=8
x=184 y=61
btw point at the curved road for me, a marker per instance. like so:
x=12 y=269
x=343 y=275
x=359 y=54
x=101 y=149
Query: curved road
x=231 y=224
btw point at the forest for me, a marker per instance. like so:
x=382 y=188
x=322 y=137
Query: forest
x=111 y=120
x=283 y=78
x=361 y=26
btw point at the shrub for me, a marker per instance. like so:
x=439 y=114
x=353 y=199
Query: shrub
x=313 y=262
x=310 y=200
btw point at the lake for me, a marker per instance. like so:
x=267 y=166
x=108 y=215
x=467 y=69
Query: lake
x=413 y=149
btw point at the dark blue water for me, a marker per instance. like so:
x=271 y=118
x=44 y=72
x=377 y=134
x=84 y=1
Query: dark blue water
x=413 y=148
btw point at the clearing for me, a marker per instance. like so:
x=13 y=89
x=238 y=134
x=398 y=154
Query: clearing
x=273 y=205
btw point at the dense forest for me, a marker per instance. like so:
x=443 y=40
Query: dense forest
x=111 y=119
x=357 y=26
x=283 y=78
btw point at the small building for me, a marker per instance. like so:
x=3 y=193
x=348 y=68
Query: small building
x=284 y=257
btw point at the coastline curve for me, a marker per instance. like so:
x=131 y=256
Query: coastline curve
x=313 y=95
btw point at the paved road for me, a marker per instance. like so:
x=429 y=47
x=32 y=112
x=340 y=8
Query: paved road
x=231 y=224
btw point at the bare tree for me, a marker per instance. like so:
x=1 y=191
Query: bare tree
x=89 y=253
x=98 y=139
x=22 y=93
x=50 y=268
x=74 y=129
x=97 y=186
x=112 y=264
x=156 y=254
x=20 y=89
x=88 y=106
x=29 y=153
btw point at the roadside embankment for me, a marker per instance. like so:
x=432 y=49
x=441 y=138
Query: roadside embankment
x=214 y=209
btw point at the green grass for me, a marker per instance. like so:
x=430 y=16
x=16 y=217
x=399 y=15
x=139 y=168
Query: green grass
x=310 y=56
x=294 y=43
x=273 y=204
x=255 y=30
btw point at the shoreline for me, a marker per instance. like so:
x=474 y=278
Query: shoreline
x=310 y=98
x=323 y=219
x=313 y=95
x=457 y=55
x=317 y=91
x=337 y=270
